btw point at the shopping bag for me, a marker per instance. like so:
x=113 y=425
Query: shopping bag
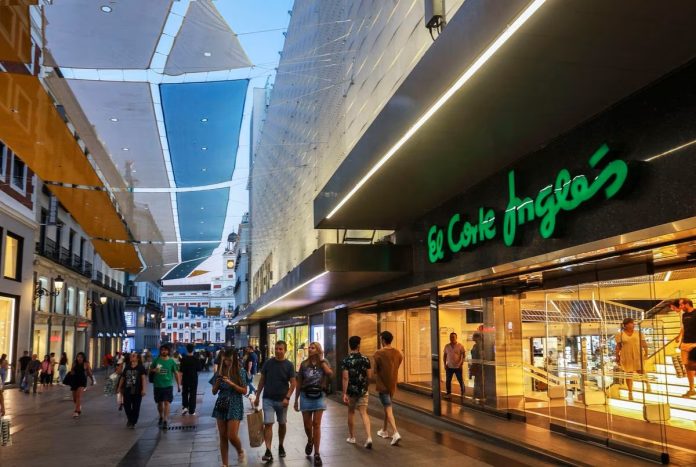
x=255 y=424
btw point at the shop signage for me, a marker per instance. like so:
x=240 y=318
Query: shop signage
x=567 y=193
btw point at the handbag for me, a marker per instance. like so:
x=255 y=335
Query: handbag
x=68 y=379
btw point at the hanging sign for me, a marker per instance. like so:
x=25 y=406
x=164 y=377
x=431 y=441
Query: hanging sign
x=567 y=193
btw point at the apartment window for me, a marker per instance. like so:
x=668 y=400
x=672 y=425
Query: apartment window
x=175 y=325
x=13 y=257
x=3 y=161
x=81 y=302
x=19 y=174
x=181 y=336
x=217 y=337
x=42 y=302
x=71 y=300
x=169 y=314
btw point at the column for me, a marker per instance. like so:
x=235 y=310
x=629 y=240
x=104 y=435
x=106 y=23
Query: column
x=434 y=349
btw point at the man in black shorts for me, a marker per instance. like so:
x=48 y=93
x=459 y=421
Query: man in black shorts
x=687 y=339
x=166 y=371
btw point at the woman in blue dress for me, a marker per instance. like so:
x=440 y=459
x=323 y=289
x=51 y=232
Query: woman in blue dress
x=230 y=384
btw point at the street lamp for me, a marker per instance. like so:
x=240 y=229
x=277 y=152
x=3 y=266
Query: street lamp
x=103 y=299
x=58 y=284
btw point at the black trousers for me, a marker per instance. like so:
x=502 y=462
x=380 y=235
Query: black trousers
x=188 y=395
x=131 y=404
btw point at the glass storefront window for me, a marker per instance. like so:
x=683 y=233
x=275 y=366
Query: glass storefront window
x=12 y=267
x=7 y=322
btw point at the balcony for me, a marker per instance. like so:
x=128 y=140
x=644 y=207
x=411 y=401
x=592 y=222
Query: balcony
x=77 y=263
x=87 y=269
x=65 y=257
x=48 y=249
x=100 y=278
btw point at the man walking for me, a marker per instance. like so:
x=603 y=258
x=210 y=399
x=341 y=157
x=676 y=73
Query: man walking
x=356 y=372
x=387 y=362
x=23 y=364
x=277 y=383
x=454 y=356
x=687 y=339
x=166 y=371
x=190 y=366
x=251 y=364
x=32 y=374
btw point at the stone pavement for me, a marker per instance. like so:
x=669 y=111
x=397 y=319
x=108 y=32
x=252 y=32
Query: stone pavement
x=43 y=433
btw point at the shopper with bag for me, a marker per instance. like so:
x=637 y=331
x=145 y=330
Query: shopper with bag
x=229 y=384
x=77 y=379
x=311 y=379
x=131 y=388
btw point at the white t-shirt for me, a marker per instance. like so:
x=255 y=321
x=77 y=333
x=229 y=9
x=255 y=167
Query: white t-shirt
x=454 y=355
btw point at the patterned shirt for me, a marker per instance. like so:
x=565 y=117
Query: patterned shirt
x=357 y=365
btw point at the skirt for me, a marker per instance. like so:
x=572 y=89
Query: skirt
x=312 y=405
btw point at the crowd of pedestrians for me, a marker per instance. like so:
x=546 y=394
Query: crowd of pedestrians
x=233 y=379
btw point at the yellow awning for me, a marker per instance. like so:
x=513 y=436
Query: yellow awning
x=15 y=42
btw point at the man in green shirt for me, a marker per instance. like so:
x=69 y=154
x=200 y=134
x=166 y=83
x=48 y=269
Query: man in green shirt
x=165 y=371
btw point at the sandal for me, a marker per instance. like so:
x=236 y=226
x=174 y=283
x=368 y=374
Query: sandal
x=317 y=460
x=309 y=447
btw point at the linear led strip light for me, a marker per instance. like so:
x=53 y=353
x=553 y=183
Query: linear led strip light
x=293 y=290
x=466 y=76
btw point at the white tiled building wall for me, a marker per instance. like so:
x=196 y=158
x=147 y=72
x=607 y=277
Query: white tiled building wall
x=341 y=63
x=180 y=326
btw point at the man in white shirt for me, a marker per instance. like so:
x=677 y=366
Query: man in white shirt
x=454 y=356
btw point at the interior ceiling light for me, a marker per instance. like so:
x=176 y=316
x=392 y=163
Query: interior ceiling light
x=114 y=119
x=125 y=149
x=14 y=111
x=106 y=9
x=466 y=76
x=204 y=120
x=204 y=148
x=207 y=54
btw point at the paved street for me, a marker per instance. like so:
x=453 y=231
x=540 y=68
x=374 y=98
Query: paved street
x=43 y=433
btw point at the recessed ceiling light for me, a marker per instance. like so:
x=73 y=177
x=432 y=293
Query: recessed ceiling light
x=125 y=149
x=202 y=208
x=14 y=111
x=106 y=9
x=204 y=148
x=204 y=169
x=202 y=222
x=207 y=54
x=114 y=119
x=204 y=119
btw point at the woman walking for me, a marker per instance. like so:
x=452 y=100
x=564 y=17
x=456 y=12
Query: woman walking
x=312 y=403
x=230 y=384
x=132 y=387
x=46 y=371
x=63 y=366
x=631 y=353
x=78 y=380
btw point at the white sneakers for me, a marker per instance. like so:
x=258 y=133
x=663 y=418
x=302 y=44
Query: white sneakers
x=184 y=411
x=368 y=443
x=383 y=434
x=396 y=437
x=350 y=440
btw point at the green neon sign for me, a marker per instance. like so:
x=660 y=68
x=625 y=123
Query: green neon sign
x=565 y=194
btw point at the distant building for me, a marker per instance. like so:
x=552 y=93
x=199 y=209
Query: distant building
x=143 y=316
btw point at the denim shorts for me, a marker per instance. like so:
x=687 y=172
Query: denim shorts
x=312 y=405
x=385 y=399
x=271 y=408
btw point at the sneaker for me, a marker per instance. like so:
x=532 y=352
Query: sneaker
x=317 y=460
x=129 y=425
x=395 y=439
x=160 y=422
x=132 y=427
x=75 y=415
x=241 y=458
x=383 y=434
x=268 y=456
x=689 y=393
x=350 y=440
x=192 y=413
x=184 y=411
x=368 y=443
x=281 y=451
x=165 y=426
x=309 y=447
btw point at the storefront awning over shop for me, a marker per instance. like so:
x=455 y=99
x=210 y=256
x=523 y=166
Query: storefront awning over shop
x=503 y=79
x=331 y=272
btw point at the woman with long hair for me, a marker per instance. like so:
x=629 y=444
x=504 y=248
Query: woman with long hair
x=229 y=384
x=78 y=380
x=4 y=369
x=46 y=371
x=63 y=366
x=312 y=402
x=132 y=386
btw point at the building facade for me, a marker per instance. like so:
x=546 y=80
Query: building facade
x=242 y=251
x=531 y=208
x=186 y=318
x=143 y=316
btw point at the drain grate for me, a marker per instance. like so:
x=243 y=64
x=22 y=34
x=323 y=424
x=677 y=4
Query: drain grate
x=181 y=427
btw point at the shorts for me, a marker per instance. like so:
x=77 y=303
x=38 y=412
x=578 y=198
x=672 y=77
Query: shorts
x=358 y=401
x=312 y=405
x=164 y=394
x=685 y=347
x=270 y=408
x=385 y=399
